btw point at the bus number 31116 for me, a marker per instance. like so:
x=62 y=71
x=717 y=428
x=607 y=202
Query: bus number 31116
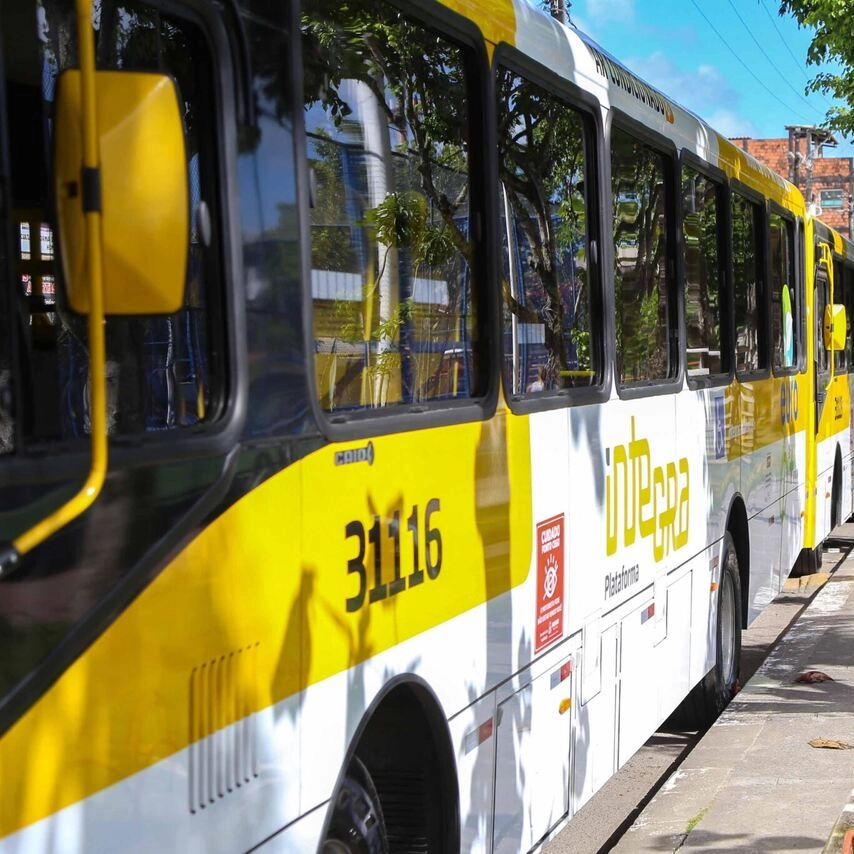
x=380 y=589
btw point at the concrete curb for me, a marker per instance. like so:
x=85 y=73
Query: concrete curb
x=817 y=579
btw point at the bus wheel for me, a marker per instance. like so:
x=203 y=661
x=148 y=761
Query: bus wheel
x=728 y=659
x=711 y=694
x=356 y=825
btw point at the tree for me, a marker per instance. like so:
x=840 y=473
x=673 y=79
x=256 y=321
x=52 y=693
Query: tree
x=541 y=168
x=638 y=203
x=833 y=41
x=393 y=96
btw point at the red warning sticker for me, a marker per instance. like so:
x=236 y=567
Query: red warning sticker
x=549 y=626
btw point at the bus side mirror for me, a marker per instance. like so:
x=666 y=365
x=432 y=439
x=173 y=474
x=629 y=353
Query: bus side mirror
x=835 y=327
x=144 y=194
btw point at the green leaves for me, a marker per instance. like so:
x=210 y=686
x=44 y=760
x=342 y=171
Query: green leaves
x=833 y=41
x=401 y=219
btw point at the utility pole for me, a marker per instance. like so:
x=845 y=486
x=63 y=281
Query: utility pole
x=560 y=10
x=809 y=165
x=793 y=162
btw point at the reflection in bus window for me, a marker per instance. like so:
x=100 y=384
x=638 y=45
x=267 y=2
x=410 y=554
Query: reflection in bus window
x=641 y=283
x=840 y=360
x=546 y=288
x=784 y=303
x=848 y=299
x=391 y=252
x=703 y=274
x=821 y=299
x=747 y=285
x=160 y=370
x=278 y=396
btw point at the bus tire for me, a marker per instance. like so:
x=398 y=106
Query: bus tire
x=356 y=825
x=710 y=696
x=836 y=494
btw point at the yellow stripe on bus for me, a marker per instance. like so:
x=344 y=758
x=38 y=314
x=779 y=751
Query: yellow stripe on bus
x=760 y=413
x=498 y=26
x=836 y=411
x=270 y=579
x=735 y=164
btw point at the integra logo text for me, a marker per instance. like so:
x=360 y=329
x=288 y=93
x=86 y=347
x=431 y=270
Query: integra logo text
x=356 y=455
x=645 y=500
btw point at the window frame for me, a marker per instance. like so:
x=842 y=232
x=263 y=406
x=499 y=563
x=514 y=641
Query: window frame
x=832 y=207
x=800 y=271
x=719 y=177
x=821 y=372
x=666 y=147
x=820 y=233
x=774 y=209
x=757 y=199
x=848 y=302
x=52 y=461
x=365 y=422
x=840 y=357
x=588 y=108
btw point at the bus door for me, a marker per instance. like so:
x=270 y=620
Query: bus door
x=821 y=361
x=831 y=391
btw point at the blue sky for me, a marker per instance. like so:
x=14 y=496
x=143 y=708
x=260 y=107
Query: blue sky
x=736 y=63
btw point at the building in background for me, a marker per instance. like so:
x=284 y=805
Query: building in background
x=826 y=182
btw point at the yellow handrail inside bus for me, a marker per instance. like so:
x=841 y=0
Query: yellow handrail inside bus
x=84 y=498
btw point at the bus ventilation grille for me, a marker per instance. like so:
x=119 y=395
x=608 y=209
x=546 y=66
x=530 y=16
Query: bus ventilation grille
x=223 y=727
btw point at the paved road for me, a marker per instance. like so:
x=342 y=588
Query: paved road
x=600 y=823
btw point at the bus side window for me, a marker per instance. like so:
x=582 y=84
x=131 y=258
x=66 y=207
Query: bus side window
x=706 y=319
x=550 y=291
x=820 y=301
x=163 y=373
x=644 y=302
x=848 y=299
x=840 y=356
x=394 y=285
x=748 y=285
x=785 y=303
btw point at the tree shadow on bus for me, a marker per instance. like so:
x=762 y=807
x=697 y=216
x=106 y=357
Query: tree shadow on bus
x=291 y=674
x=586 y=430
x=513 y=718
x=494 y=522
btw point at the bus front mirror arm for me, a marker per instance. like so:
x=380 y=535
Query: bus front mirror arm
x=89 y=237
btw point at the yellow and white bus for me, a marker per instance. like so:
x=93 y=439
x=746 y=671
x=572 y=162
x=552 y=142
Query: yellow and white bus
x=403 y=408
x=829 y=473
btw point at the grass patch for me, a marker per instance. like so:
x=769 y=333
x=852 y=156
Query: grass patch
x=697 y=819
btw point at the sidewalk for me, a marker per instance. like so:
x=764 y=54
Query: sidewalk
x=754 y=783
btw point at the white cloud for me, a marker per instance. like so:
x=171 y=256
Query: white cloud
x=609 y=10
x=696 y=88
x=703 y=90
x=596 y=18
x=728 y=123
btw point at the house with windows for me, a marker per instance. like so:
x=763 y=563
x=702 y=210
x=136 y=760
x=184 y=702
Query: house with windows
x=801 y=157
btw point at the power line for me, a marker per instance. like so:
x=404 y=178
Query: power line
x=746 y=66
x=799 y=63
x=771 y=61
